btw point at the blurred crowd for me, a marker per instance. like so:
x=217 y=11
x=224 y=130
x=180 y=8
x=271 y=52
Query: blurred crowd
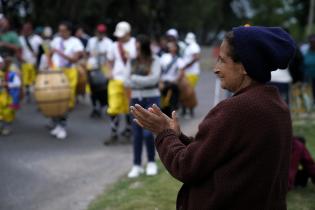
x=125 y=71
x=114 y=73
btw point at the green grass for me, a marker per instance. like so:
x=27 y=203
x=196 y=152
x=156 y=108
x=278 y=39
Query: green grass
x=304 y=199
x=159 y=192
x=144 y=193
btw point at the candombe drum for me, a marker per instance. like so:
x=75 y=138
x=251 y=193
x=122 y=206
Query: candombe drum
x=82 y=80
x=187 y=94
x=52 y=93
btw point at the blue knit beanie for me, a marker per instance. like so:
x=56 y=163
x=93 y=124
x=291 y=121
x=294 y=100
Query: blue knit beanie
x=262 y=50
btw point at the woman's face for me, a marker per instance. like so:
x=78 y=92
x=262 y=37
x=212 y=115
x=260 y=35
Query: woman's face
x=172 y=47
x=64 y=31
x=230 y=73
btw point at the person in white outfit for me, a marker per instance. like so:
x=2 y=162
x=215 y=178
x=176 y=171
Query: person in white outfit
x=97 y=49
x=171 y=73
x=191 y=65
x=66 y=51
x=282 y=79
x=122 y=52
x=30 y=44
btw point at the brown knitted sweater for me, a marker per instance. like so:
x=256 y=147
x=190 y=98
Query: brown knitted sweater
x=239 y=158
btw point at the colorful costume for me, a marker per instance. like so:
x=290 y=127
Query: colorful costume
x=9 y=96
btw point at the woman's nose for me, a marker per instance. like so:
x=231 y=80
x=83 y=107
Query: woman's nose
x=216 y=69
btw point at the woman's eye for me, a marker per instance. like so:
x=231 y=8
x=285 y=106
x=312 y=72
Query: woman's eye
x=219 y=60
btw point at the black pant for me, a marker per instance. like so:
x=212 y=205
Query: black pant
x=99 y=97
x=61 y=121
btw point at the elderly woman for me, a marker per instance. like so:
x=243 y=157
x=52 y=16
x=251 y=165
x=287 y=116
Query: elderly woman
x=239 y=158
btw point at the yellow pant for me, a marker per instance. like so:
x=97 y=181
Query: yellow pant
x=192 y=79
x=72 y=75
x=28 y=73
x=6 y=113
x=118 y=101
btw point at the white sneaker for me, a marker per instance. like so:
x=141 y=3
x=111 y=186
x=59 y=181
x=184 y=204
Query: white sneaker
x=55 y=131
x=135 y=171
x=62 y=133
x=151 y=169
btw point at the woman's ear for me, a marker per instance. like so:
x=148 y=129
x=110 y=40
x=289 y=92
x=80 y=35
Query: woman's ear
x=242 y=69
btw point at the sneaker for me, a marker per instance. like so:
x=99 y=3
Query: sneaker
x=98 y=114
x=50 y=125
x=126 y=133
x=55 y=131
x=111 y=140
x=94 y=114
x=6 y=131
x=62 y=133
x=135 y=171
x=151 y=169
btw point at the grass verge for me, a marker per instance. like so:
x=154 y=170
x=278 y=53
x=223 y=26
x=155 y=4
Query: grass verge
x=159 y=192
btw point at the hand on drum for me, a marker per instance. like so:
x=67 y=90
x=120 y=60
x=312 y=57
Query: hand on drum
x=154 y=119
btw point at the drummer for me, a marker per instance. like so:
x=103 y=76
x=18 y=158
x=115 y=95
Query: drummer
x=66 y=50
x=97 y=49
x=122 y=52
x=30 y=43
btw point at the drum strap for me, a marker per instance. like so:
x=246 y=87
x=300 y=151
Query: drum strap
x=122 y=52
x=169 y=66
x=28 y=44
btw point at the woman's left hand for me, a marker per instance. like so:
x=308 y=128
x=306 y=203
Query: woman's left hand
x=154 y=119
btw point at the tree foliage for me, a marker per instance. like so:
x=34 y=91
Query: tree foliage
x=156 y=16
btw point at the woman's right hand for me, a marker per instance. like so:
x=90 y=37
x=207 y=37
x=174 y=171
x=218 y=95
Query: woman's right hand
x=173 y=122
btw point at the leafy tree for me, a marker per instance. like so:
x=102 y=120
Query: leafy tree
x=203 y=17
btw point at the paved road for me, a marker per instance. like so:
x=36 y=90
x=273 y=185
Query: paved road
x=39 y=172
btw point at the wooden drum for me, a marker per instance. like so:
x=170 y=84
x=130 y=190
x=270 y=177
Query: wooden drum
x=187 y=96
x=52 y=93
x=82 y=80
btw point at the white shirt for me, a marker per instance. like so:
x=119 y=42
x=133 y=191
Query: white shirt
x=304 y=48
x=15 y=83
x=69 y=47
x=182 y=47
x=172 y=73
x=189 y=53
x=27 y=55
x=98 y=50
x=281 y=76
x=120 y=69
x=43 y=63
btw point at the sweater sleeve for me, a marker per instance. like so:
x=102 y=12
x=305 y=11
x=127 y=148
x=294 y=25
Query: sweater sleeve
x=210 y=148
x=185 y=139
